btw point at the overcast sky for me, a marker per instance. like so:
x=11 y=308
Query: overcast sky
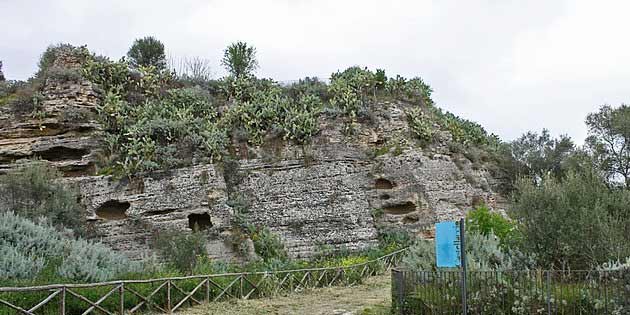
x=513 y=66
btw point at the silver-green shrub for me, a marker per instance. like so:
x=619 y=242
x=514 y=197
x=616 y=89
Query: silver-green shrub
x=15 y=264
x=482 y=253
x=87 y=261
x=26 y=248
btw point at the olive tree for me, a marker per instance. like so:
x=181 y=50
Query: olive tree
x=539 y=154
x=609 y=142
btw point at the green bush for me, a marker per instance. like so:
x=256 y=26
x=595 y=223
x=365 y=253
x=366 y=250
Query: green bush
x=181 y=250
x=118 y=77
x=147 y=52
x=62 y=74
x=463 y=131
x=576 y=222
x=484 y=222
x=391 y=239
x=239 y=59
x=267 y=245
x=350 y=89
x=483 y=252
x=161 y=133
x=29 y=248
x=33 y=190
x=269 y=110
x=421 y=125
x=308 y=86
x=24 y=99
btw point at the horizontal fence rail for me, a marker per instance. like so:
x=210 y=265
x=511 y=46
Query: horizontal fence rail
x=168 y=295
x=511 y=292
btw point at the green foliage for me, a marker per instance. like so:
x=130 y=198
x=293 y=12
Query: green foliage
x=269 y=110
x=300 y=121
x=161 y=133
x=538 y=155
x=415 y=88
x=421 y=125
x=463 y=131
x=33 y=190
x=380 y=78
x=51 y=54
x=350 y=89
x=119 y=78
x=483 y=252
x=391 y=239
x=396 y=86
x=62 y=74
x=147 y=52
x=609 y=142
x=181 y=250
x=308 y=86
x=29 y=248
x=575 y=222
x=267 y=245
x=22 y=98
x=484 y=222
x=239 y=59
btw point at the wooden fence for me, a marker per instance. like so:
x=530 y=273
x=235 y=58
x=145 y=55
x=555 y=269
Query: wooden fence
x=170 y=294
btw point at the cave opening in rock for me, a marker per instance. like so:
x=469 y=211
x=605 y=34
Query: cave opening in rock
x=384 y=197
x=62 y=153
x=113 y=210
x=199 y=221
x=402 y=208
x=382 y=183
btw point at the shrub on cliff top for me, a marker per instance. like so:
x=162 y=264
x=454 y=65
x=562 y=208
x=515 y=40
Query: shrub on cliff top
x=239 y=59
x=147 y=52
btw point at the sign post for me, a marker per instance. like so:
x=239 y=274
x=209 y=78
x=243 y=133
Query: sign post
x=450 y=251
x=462 y=245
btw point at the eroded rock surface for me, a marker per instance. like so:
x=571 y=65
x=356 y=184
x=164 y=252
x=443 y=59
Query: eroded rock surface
x=339 y=190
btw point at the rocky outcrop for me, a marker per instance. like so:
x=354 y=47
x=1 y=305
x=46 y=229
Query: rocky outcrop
x=126 y=214
x=340 y=190
x=60 y=130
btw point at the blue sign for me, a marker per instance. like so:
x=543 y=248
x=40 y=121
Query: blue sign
x=447 y=244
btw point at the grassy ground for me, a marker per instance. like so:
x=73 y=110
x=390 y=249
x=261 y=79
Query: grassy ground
x=370 y=298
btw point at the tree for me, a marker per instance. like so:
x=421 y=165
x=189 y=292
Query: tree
x=609 y=142
x=574 y=222
x=538 y=155
x=239 y=59
x=147 y=51
x=1 y=74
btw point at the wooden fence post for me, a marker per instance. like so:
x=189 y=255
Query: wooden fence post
x=62 y=301
x=121 y=290
x=207 y=290
x=168 y=297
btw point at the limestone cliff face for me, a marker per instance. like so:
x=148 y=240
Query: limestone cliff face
x=339 y=190
x=62 y=131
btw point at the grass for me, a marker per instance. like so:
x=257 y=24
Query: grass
x=370 y=298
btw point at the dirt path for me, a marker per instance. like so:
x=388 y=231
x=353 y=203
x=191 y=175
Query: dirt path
x=370 y=298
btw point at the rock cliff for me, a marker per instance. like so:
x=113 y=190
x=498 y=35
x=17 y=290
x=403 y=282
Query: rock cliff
x=339 y=190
